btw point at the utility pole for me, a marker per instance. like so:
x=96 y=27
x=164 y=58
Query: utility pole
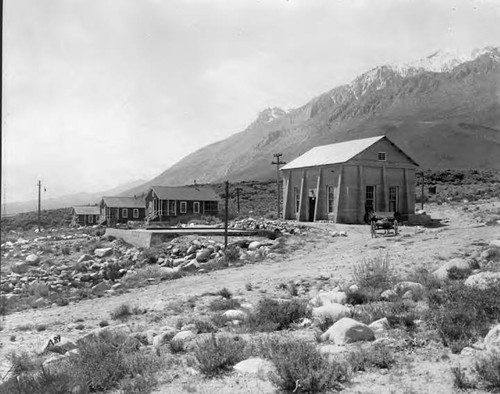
x=278 y=162
x=39 y=202
x=422 y=192
x=238 y=198
x=226 y=215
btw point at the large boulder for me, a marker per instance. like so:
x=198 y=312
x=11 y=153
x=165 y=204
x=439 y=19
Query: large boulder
x=184 y=336
x=234 y=314
x=442 y=272
x=32 y=259
x=254 y=366
x=103 y=252
x=492 y=339
x=85 y=257
x=348 y=330
x=20 y=267
x=483 y=280
x=57 y=344
x=254 y=245
x=332 y=312
x=495 y=243
x=329 y=297
x=414 y=287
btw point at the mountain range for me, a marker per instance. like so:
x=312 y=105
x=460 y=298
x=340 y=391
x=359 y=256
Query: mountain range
x=68 y=200
x=443 y=110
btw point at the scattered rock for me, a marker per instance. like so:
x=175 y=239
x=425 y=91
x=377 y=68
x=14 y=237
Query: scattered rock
x=234 y=314
x=348 y=330
x=100 y=288
x=442 y=272
x=389 y=295
x=254 y=245
x=32 y=259
x=254 y=366
x=184 y=335
x=330 y=297
x=103 y=252
x=332 y=312
x=492 y=339
x=403 y=287
x=380 y=325
x=482 y=280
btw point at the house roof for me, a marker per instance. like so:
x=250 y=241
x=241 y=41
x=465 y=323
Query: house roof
x=193 y=193
x=124 y=202
x=87 y=210
x=340 y=152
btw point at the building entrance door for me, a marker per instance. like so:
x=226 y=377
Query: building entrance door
x=312 y=208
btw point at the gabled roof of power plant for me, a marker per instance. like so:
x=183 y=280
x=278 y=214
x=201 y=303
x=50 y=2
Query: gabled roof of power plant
x=340 y=152
x=124 y=202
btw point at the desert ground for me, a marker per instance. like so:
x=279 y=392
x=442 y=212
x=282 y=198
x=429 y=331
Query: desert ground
x=315 y=260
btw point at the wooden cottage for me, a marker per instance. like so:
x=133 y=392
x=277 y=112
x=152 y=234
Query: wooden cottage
x=167 y=202
x=122 y=209
x=87 y=215
x=342 y=182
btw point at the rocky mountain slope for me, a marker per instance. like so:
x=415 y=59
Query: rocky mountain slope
x=443 y=110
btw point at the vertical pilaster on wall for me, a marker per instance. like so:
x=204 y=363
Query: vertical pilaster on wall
x=336 y=203
x=361 y=195
x=286 y=194
x=385 y=192
x=302 y=211
x=318 y=194
x=407 y=193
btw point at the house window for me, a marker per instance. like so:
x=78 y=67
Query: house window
x=90 y=219
x=183 y=207
x=381 y=156
x=370 y=199
x=296 y=199
x=393 y=199
x=124 y=213
x=211 y=207
x=329 y=198
x=196 y=207
x=136 y=213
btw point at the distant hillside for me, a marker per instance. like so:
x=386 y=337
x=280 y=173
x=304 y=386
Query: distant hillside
x=68 y=200
x=444 y=112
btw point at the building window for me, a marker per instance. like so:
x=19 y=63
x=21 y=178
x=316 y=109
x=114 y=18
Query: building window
x=381 y=156
x=296 y=199
x=329 y=198
x=90 y=219
x=370 y=199
x=136 y=213
x=124 y=213
x=196 y=207
x=211 y=207
x=393 y=199
x=183 y=207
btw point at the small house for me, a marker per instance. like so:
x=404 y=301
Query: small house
x=168 y=202
x=122 y=209
x=87 y=215
x=342 y=182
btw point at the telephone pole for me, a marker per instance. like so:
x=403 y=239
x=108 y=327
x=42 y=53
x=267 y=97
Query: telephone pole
x=39 y=202
x=278 y=162
x=238 y=189
x=226 y=215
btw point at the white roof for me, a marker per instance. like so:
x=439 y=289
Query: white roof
x=332 y=154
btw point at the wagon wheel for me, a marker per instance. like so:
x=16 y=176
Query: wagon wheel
x=395 y=227
x=373 y=226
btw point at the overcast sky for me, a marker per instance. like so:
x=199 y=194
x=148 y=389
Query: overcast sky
x=97 y=93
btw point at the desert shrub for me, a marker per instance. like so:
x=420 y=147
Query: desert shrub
x=205 y=325
x=38 y=289
x=426 y=278
x=216 y=354
x=462 y=314
x=378 y=356
x=24 y=362
x=292 y=289
x=363 y=295
x=103 y=323
x=141 y=276
x=455 y=273
x=232 y=254
x=224 y=304
x=121 y=312
x=225 y=293
x=460 y=380
x=93 y=245
x=271 y=314
x=402 y=314
x=177 y=346
x=42 y=382
x=368 y=313
x=376 y=273
x=249 y=286
x=299 y=364
x=487 y=369
x=151 y=255
x=105 y=359
x=111 y=271
x=66 y=251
